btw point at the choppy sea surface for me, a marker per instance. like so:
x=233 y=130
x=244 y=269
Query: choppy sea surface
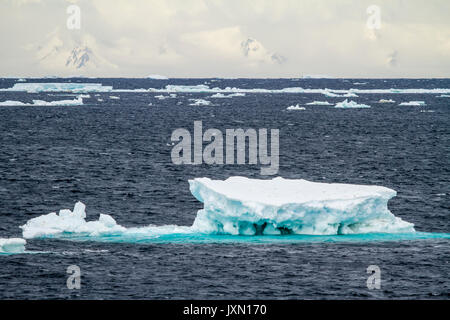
x=113 y=154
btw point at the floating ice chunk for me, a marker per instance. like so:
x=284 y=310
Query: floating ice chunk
x=296 y=107
x=350 y=104
x=240 y=205
x=157 y=77
x=199 y=102
x=319 y=103
x=76 y=102
x=444 y=96
x=12 y=245
x=114 y=97
x=413 y=103
x=70 y=222
x=386 y=101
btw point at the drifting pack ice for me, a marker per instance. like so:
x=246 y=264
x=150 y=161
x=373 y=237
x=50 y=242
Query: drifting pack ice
x=242 y=206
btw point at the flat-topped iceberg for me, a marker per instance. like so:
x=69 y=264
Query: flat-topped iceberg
x=40 y=103
x=240 y=205
x=413 y=103
x=243 y=206
x=12 y=245
x=59 y=87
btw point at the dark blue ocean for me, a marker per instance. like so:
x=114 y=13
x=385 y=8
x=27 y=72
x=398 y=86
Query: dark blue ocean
x=114 y=156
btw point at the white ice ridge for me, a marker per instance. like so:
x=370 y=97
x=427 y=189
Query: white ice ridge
x=75 y=102
x=74 y=222
x=12 y=245
x=246 y=206
x=350 y=105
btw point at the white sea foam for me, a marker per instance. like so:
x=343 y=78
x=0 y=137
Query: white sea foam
x=296 y=107
x=240 y=205
x=350 y=105
x=12 y=245
x=413 y=103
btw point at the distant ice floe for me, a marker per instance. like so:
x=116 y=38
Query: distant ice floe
x=59 y=87
x=76 y=102
x=319 y=103
x=202 y=88
x=296 y=107
x=386 y=101
x=444 y=96
x=199 y=102
x=350 y=105
x=413 y=103
x=12 y=245
x=114 y=97
x=157 y=77
x=162 y=97
x=243 y=206
x=231 y=95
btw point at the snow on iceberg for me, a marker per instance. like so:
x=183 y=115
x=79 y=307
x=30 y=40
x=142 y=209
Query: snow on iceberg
x=246 y=206
x=75 y=102
x=296 y=107
x=413 y=103
x=350 y=104
x=59 y=87
x=12 y=245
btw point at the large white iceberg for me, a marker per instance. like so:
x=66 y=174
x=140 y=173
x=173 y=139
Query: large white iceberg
x=242 y=206
x=12 y=245
x=246 y=206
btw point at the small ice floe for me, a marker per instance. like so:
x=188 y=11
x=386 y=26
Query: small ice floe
x=350 y=105
x=413 y=103
x=345 y=95
x=319 y=103
x=100 y=100
x=444 y=96
x=12 y=245
x=426 y=110
x=150 y=104
x=114 y=97
x=199 y=102
x=221 y=95
x=386 y=101
x=296 y=107
x=162 y=97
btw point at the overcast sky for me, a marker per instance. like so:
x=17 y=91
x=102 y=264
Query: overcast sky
x=226 y=38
